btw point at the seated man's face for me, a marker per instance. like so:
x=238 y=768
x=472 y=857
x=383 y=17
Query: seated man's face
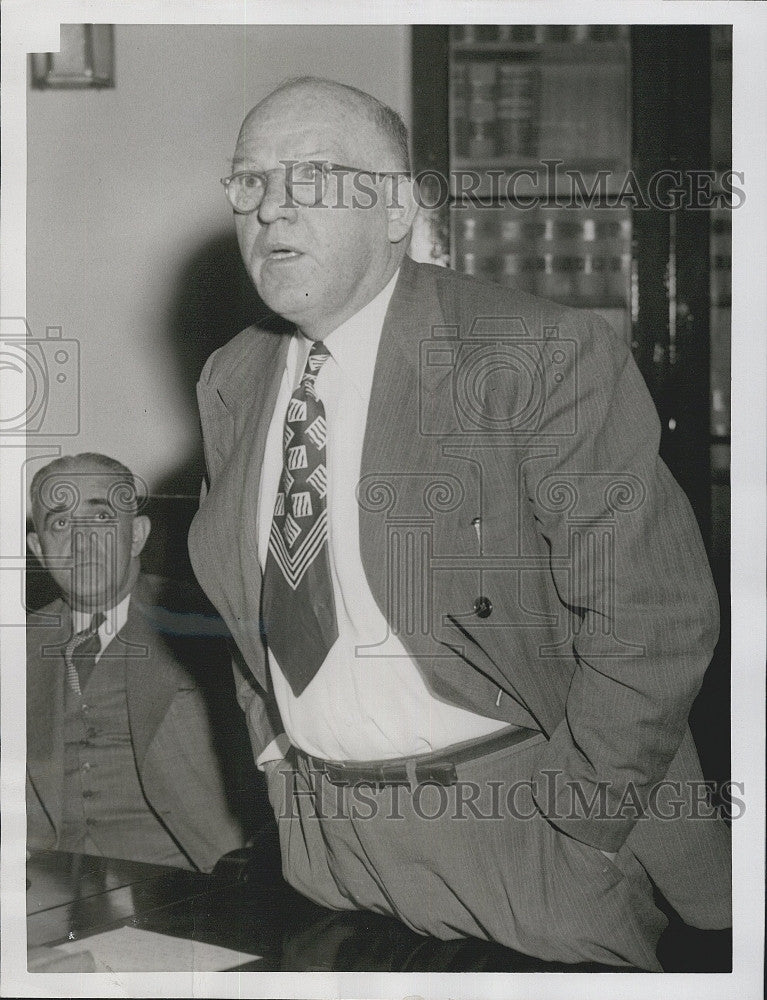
x=88 y=536
x=314 y=265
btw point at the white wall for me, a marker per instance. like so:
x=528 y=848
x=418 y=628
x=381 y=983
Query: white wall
x=123 y=194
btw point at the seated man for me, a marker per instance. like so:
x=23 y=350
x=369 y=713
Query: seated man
x=122 y=758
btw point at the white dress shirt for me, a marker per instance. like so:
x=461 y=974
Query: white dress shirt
x=357 y=707
x=115 y=619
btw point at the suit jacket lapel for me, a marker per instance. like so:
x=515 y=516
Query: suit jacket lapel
x=151 y=673
x=45 y=709
x=226 y=560
x=411 y=422
x=404 y=394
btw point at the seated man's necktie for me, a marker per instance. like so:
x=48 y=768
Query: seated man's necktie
x=298 y=608
x=80 y=654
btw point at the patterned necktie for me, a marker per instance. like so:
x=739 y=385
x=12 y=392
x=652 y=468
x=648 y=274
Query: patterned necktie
x=298 y=609
x=80 y=654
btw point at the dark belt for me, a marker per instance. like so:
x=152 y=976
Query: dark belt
x=433 y=768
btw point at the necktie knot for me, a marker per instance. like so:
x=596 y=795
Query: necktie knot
x=89 y=632
x=318 y=355
x=83 y=645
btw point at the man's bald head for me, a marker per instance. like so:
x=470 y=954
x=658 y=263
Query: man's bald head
x=316 y=93
x=315 y=267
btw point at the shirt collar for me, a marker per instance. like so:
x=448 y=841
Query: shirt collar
x=354 y=344
x=116 y=618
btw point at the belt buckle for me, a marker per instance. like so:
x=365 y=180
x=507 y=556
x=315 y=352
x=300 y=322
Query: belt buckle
x=436 y=773
x=334 y=773
x=392 y=774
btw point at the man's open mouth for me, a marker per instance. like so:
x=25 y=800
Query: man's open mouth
x=284 y=253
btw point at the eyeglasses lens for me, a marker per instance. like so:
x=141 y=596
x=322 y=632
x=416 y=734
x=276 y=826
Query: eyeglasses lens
x=304 y=184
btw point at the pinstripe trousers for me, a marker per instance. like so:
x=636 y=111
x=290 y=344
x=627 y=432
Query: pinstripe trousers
x=475 y=859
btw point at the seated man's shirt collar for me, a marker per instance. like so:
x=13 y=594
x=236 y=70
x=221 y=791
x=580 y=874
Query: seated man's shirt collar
x=116 y=618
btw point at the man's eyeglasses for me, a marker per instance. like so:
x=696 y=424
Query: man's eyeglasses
x=305 y=183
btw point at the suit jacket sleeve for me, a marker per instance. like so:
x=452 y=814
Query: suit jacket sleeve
x=260 y=710
x=641 y=602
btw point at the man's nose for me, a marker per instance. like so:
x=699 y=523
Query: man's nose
x=276 y=203
x=92 y=539
x=84 y=539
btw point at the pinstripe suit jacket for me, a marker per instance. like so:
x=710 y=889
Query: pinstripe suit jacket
x=511 y=448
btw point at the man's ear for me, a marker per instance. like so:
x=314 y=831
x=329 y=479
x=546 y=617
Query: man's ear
x=141 y=528
x=34 y=543
x=400 y=204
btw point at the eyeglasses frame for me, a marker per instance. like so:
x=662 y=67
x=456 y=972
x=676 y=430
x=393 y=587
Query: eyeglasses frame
x=326 y=167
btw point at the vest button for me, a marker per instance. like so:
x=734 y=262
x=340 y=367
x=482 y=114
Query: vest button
x=483 y=607
x=86 y=766
x=88 y=794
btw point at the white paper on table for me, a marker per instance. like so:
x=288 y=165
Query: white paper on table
x=129 y=949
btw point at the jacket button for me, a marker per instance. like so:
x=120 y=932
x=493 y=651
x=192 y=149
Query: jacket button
x=483 y=607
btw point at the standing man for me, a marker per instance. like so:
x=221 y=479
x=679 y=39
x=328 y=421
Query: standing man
x=123 y=689
x=461 y=579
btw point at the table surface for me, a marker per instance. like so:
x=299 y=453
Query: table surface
x=245 y=906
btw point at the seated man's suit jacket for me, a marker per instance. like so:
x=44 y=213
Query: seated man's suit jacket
x=196 y=772
x=516 y=438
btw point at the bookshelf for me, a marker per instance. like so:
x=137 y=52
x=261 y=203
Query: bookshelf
x=542 y=131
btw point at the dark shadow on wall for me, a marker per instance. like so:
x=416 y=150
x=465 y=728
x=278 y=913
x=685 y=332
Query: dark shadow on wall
x=213 y=299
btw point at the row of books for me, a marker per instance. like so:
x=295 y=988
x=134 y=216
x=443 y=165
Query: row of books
x=565 y=227
x=575 y=279
x=517 y=110
x=495 y=108
x=572 y=270
x=541 y=34
x=579 y=256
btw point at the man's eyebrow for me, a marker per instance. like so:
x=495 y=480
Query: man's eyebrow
x=67 y=508
x=61 y=508
x=246 y=162
x=240 y=166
